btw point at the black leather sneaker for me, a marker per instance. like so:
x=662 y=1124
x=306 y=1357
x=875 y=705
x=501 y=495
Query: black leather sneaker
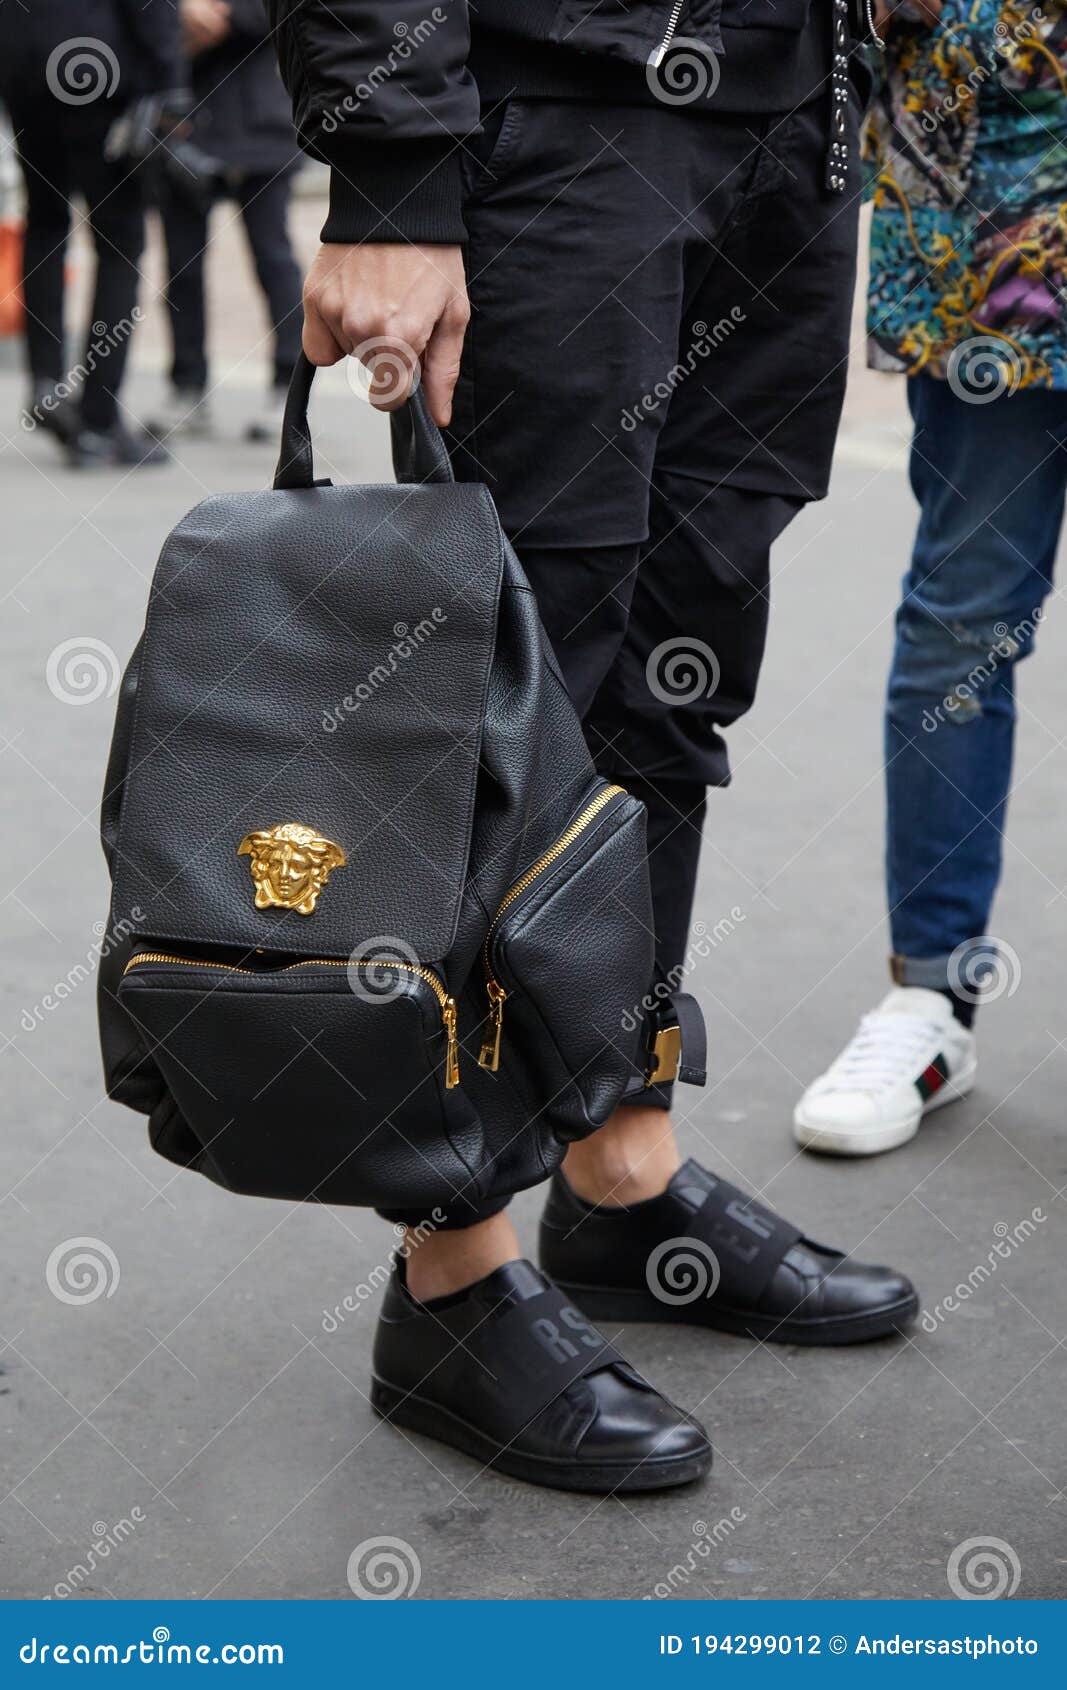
x=511 y=1373
x=705 y=1254
x=118 y=447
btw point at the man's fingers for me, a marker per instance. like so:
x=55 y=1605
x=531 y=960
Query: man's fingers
x=392 y=308
x=320 y=345
x=392 y=367
x=440 y=367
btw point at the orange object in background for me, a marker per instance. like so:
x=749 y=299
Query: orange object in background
x=12 y=311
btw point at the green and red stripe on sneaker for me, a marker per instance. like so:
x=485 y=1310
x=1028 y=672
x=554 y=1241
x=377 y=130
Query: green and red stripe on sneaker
x=933 y=1077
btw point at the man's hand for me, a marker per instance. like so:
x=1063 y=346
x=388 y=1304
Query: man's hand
x=204 y=24
x=399 y=308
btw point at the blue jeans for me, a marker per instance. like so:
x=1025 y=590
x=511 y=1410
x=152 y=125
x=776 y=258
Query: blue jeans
x=990 y=479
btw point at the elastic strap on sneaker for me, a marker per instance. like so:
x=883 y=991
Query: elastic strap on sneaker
x=747 y=1240
x=536 y=1349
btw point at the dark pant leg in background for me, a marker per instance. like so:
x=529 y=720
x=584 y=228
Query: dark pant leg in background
x=62 y=152
x=117 y=221
x=264 y=203
x=45 y=172
x=185 y=231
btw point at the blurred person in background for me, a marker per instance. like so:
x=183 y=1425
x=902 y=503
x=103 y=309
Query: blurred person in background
x=242 y=148
x=968 y=138
x=84 y=82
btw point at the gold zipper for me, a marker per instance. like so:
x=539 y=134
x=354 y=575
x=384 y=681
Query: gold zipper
x=489 y=1055
x=449 y=1014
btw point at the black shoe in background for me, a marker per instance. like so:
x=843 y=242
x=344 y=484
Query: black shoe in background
x=60 y=418
x=118 y=447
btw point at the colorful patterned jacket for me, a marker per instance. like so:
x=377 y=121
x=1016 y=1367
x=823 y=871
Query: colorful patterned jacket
x=967 y=144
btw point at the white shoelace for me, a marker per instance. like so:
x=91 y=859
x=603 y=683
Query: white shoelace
x=887 y=1051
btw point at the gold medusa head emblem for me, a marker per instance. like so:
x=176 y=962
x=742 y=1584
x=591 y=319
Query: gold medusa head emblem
x=290 y=865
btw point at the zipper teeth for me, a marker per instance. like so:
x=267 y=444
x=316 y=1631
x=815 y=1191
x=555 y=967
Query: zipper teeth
x=578 y=826
x=426 y=974
x=668 y=34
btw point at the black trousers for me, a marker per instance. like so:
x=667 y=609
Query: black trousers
x=60 y=151
x=263 y=202
x=651 y=387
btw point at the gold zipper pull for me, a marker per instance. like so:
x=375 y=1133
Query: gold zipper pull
x=489 y=1055
x=449 y=1017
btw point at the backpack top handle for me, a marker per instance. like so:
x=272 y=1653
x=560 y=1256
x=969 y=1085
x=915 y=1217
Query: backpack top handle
x=419 y=452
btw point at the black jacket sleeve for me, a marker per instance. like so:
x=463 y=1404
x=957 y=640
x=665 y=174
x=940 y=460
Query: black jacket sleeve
x=382 y=92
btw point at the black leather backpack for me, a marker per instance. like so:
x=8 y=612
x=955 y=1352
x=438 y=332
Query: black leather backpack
x=381 y=933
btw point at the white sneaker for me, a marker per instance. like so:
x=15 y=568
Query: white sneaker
x=909 y=1055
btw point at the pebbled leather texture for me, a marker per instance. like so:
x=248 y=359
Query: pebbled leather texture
x=572 y=1010
x=293 y=669
x=276 y=1072
x=272 y=613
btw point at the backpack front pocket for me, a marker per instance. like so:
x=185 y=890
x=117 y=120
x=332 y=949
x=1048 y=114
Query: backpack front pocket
x=320 y=1079
x=567 y=961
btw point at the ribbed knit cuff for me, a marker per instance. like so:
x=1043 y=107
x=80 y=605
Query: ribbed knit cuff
x=394 y=191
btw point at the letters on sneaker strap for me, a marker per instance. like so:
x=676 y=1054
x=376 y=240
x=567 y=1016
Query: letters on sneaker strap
x=535 y=1350
x=747 y=1239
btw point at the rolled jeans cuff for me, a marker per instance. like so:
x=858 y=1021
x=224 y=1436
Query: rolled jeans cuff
x=963 y=971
